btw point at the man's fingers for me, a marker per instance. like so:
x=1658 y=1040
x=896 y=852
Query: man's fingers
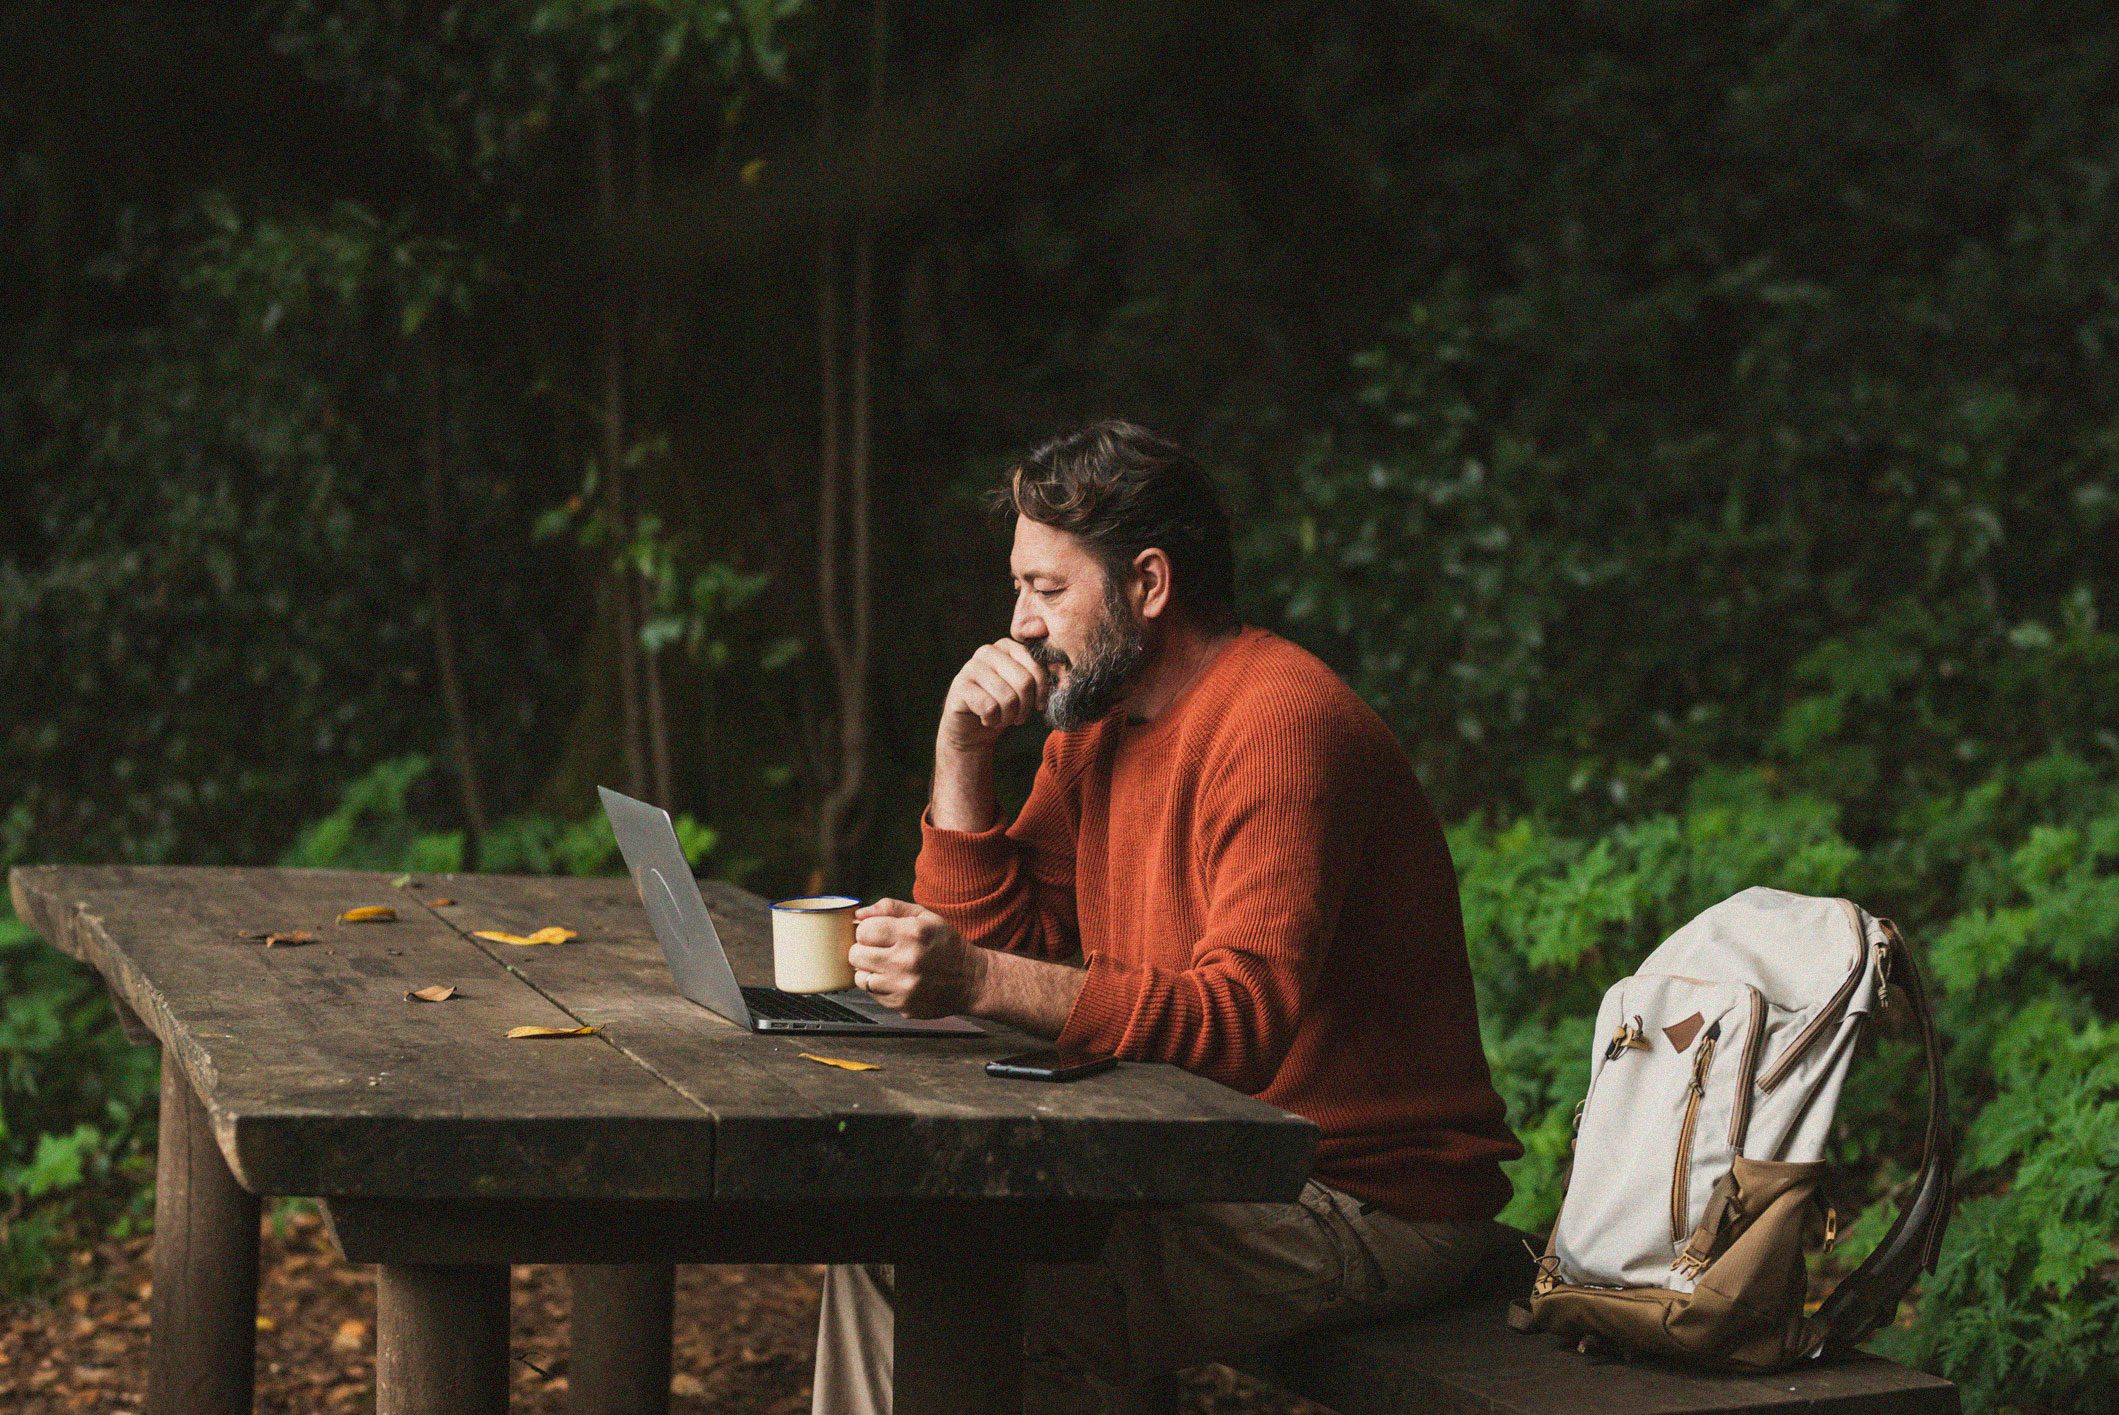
x=867 y=958
x=1021 y=680
x=896 y=908
x=982 y=703
x=1007 y=692
x=1020 y=655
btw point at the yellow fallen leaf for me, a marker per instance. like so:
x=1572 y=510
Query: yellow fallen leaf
x=265 y=1324
x=440 y=992
x=521 y=1034
x=368 y=914
x=554 y=934
x=441 y=903
x=290 y=938
x=834 y=1061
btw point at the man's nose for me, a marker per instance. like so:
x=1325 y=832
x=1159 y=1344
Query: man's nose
x=1025 y=625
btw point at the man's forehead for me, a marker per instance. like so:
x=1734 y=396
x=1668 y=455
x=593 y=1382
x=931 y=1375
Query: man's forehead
x=1046 y=550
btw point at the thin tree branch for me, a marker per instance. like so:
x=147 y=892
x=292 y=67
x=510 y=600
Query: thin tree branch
x=613 y=353
x=434 y=454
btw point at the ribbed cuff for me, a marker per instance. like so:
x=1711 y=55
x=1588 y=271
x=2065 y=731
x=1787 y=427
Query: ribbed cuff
x=959 y=866
x=1103 y=1010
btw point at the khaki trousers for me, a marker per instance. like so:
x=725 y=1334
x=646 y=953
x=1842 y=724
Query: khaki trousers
x=1171 y=1288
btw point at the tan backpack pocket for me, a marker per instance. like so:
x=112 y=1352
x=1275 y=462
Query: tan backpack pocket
x=1745 y=1309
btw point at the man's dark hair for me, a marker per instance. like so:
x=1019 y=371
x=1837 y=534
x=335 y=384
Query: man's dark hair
x=1122 y=489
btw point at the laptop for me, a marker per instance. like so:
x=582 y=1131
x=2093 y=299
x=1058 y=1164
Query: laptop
x=678 y=915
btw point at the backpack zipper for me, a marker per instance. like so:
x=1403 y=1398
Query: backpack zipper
x=1681 y=1180
x=1740 y=1113
x=1832 y=1008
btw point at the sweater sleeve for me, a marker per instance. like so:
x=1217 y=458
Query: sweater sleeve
x=1284 y=810
x=1012 y=888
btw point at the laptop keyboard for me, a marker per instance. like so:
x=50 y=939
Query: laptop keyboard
x=800 y=1007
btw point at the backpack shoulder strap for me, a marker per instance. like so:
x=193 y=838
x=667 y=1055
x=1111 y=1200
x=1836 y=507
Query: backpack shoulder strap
x=1868 y=1297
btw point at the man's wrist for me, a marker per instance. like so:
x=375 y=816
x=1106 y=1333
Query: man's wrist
x=1026 y=992
x=963 y=786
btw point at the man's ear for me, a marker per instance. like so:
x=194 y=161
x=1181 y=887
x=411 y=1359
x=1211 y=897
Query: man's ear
x=1151 y=583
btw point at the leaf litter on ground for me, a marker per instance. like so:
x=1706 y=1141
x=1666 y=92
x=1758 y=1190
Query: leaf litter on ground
x=527 y=1034
x=551 y=934
x=369 y=914
x=440 y=992
x=835 y=1061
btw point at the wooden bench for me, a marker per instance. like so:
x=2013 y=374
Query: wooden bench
x=1465 y=1358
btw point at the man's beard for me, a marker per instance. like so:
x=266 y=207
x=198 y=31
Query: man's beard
x=1117 y=646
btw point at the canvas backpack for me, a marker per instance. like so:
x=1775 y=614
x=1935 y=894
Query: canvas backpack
x=1697 y=1186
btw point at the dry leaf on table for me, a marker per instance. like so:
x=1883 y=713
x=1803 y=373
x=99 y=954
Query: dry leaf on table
x=368 y=914
x=440 y=992
x=554 y=934
x=289 y=938
x=524 y=1034
x=835 y=1061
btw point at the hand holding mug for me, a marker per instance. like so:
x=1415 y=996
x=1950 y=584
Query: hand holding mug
x=911 y=960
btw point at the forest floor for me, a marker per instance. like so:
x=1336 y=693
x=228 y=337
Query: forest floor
x=745 y=1338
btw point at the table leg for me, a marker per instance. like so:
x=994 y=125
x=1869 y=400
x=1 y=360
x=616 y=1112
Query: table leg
x=202 y=1346
x=958 y=1335
x=620 y=1337
x=441 y=1339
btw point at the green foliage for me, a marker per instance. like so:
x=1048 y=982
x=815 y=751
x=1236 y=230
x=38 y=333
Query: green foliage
x=488 y=90
x=76 y=1101
x=2016 y=878
x=1553 y=919
x=1721 y=492
x=374 y=828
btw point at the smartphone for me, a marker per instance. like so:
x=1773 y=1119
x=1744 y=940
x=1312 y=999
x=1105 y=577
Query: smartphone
x=1051 y=1064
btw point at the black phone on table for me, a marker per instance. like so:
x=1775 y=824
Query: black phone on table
x=1050 y=1064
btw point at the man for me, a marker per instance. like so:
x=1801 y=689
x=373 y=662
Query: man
x=1239 y=851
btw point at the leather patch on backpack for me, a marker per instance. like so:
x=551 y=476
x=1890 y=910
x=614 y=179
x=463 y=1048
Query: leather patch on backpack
x=1682 y=1033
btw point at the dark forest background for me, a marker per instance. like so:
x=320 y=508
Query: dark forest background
x=1693 y=427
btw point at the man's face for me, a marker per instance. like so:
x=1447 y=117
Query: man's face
x=1076 y=621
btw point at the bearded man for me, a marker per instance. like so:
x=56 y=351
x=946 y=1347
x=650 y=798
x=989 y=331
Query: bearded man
x=1237 y=850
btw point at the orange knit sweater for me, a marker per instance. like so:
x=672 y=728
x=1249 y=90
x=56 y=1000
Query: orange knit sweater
x=1263 y=896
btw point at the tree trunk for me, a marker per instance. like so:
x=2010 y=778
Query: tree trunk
x=846 y=636
x=434 y=453
x=626 y=601
x=827 y=863
x=658 y=724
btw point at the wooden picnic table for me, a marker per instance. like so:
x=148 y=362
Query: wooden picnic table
x=444 y=1152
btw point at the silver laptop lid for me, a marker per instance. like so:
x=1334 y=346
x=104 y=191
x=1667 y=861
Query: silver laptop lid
x=674 y=908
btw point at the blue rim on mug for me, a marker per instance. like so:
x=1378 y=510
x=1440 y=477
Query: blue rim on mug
x=817 y=904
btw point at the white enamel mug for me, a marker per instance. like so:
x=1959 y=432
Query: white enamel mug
x=811 y=936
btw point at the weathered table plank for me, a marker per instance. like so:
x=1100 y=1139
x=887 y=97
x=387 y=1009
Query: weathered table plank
x=930 y=1122
x=446 y=1152
x=320 y=1078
